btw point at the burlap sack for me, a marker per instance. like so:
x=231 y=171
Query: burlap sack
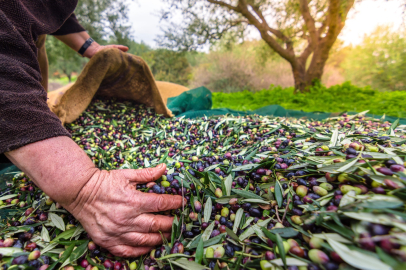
x=112 y=73
x=166 y=89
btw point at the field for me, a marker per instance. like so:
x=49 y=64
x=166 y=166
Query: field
x=338 y=98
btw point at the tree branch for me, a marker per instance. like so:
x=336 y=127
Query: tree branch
x=287 y=53
x=219 y=35
x=336 y=20
x=274 y=31
x=221 y=3
x=309 y=21
x=323 y=25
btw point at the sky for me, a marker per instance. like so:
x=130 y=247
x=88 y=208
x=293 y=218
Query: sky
x=363 y=19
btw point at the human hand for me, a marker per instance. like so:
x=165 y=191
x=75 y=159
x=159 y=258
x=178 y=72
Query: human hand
x=95 y=48
x=118 y=217
x=107 y=204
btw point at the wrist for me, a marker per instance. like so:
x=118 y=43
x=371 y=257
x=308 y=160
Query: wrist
x=57 y=165
x=92 y=50
x=87 y=192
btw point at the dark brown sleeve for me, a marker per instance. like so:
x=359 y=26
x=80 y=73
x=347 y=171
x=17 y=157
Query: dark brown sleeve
x=25 y=117
x=70 y=26
x=24 y=114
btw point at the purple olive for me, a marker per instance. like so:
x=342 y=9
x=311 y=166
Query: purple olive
x=397 y=168
x=385 y=171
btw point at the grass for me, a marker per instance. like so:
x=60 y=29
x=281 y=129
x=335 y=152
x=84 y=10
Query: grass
x=338 y=98
x=63 y=80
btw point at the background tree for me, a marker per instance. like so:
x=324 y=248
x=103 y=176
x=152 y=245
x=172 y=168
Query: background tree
x=379 y=61
x=106 y=21
x=298 y=30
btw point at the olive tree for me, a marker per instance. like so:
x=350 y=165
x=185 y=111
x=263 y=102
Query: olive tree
x=106 y=21
x=300 y=31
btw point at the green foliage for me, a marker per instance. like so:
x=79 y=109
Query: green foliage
x=338 y=98
x=232 y=68
x=106 y=21
x=166 y=65
x=171 y=66
x=380 y=61
x=63 y=59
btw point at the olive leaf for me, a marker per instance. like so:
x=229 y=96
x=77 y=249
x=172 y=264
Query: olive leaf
x=237 y=220
x=336 y=166
x=78 y=231
x=208 y=231
x=189 y=265
x=199 y=252
x=289 y=262
x=232 y=234
x=393 y=126
x=246 y=194
x=79 y=251
x=376 y=218
x=8 y=197
x=63 y=258
x=246 y=167
x=251 y=230
x=357 y=259
x=281 y=247
x=65 y=235
x=285 y=232
x=194 y=242
x=377 y=201
x=255 y=201
x=9 y=251
x=347 y=166
x=175 y=255
x=228 y=182
x=212 y=167
x=99 y=266
x=278 y=193
x=208 y=207
x=248 y=222
x=57 y=221
x=175 y=224
x=334 y=236
x=49 y=247
x=334 y=138
x=45 y=234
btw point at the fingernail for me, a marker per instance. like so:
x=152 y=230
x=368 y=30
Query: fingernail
x=160 y=166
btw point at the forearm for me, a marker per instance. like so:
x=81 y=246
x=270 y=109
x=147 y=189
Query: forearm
x=76 y=40
x=57 y=165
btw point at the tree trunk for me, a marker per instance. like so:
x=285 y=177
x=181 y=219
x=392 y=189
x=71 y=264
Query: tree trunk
x=316 y=67
x=299 y=75
x=69 y=77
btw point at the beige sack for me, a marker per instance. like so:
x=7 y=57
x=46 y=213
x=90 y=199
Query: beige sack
x=166 y=89
x=112 y=73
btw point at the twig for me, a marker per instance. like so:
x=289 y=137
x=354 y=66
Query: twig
x=286 y=209
x=277 y=214
x=183 y=210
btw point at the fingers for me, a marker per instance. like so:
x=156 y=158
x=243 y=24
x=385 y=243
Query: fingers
x=143 y=239
x=152 y=203
x=129 y=251
x=145 y=175
x=120 y=47
x=148 y=223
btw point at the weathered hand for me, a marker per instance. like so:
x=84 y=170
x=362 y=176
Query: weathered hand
x=118 y=217
x=107 y=204
x=95 y=48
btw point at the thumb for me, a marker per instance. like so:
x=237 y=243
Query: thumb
x=145 y=175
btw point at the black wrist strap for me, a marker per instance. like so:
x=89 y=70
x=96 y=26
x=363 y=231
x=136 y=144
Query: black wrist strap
x=85 y=46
